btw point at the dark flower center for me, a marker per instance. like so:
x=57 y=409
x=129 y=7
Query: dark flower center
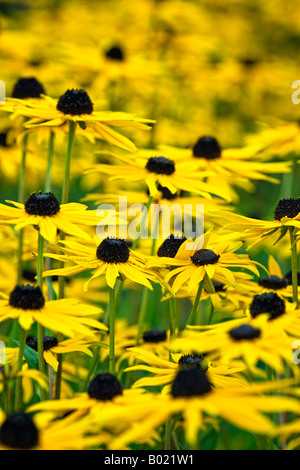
x=190 y=382
x=104 y=387
x=27 y=88
x=29 y=275
x=75 y=102
x=287 y=208
x=273 y=282
x=190 y=361
x=219 y=286
x=27 y=298
x=3 y=140
x=170 y=247
x=288 y=277
x=160 y=166
x=154 y=336
x=204 y=256
x=166 y=193
x=207 y=147
x=269 y=302
x=43 y=204
x=113 y=250
x=244 y=331
x=19 y=432
x=115 y=53
x=48 y=342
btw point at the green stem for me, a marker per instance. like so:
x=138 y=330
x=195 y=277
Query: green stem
x=21 y=199
x=40 y=329
x=20 y=364
x=112 y=314
x=294 y=264
x=66 y=181
x=49 y=162
x=142 y=313
x=65 y=192
x=172 y=313
x=196 y=303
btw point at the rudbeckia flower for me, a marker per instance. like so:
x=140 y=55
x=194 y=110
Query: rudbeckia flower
x=106 y=405
x=159 y=171
x=111 y=258
x=22 y=431
x=245 y=162
x=286 y=215
x=193 y=397
x=76 y=106
x=164 y=371
x=27 y=305
x=253 y=342
x=53 y=346
x=213 y=261
x=44 y=211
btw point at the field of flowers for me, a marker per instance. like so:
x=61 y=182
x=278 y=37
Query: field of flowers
x=149 y=225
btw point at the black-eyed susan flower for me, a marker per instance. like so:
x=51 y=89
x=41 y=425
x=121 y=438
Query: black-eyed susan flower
x=106 y=406
x=253 y=342
x=27 y=305
x=282 y=315
x=163 y=371
x=156 y=171
x=111 y=258
x=23 y=431
x=44 y=211
x=52 y=346
x=76 y=106
x=286 y=216
x=246 y=162
x=193 y=397
x=208 y=257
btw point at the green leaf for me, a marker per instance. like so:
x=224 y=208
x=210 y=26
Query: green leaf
x=31 y=357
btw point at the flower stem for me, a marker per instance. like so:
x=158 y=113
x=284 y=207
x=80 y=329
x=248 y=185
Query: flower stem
x=66 y=181
x=293 y=241
x=21 y=199
x=172 y=313
x=20 y=364
x=64 y=200
x=196 y=303
x=49 y=162
x=112 y=314
x=40 y=330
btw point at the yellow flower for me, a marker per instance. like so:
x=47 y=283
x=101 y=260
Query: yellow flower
x=250 y=341
x=21 y=431
x=112 y=258
x=164 y=371
x=76 y=106
x=286 y=215
x=207 y=258
x=193 y=398
x=159 y=171
x=52 y=346
x=68 y=316
x=44 y=211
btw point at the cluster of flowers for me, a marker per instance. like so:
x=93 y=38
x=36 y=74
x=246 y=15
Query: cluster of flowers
x=143 y=343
